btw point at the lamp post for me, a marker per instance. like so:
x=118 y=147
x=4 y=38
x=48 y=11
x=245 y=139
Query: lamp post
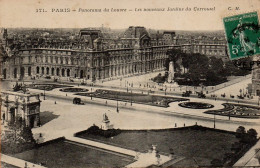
x=229 y=115
x=214 y=121
x=131 y=98
x=117 y=110
x=44 y=93
x=91 y=94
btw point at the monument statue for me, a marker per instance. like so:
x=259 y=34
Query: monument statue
x=171 y=72
x=106 y=123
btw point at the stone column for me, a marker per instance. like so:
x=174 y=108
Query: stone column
x=6 y=112
x=110 y=71
x=25 y=71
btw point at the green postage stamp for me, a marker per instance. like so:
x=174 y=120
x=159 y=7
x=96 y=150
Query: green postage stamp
x=243 y=35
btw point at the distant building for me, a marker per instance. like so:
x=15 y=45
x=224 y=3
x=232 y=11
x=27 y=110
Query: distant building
x=256 y=78
x=92 y=56
x=16 y=106
x=169 y=37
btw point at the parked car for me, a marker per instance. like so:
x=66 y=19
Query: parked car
x=186 y=94
x=77 y=100
x=201 y=95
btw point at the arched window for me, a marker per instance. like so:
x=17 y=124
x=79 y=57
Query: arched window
x=29 y=71
x=15 y=73
x=68 y=72
x=52 y=71
x=37 y=70
x=63 y=72
x=58 y=72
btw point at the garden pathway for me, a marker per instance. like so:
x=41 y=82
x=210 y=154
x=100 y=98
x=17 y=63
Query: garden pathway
x=250 y=158
x=143 y=159
x=18 y=162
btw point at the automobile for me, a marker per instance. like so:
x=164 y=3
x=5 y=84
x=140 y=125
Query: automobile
x=240 y=97
x=77 y=100
x=201 y=95
x=186 y=94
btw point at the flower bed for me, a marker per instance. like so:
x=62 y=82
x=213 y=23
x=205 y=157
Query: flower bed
x=74 y=90
x=196 y=105
x=133 y=97
x=47 y=87
x=237 y=110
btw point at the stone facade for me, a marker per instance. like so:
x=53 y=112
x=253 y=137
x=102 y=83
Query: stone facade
x=256 y=78
x=20 y=106
x=101 y=59
x=92 y=56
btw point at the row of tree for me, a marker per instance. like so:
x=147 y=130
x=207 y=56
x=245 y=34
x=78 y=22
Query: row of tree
x=17 y=137
x=195 y=69
x=246 y=139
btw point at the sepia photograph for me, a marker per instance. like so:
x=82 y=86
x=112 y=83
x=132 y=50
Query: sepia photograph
x=119 y=83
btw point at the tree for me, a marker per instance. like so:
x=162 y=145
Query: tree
x=216 y=163
x=26 y=133
x=16 y=140
x=252 y=132
x=241 y=130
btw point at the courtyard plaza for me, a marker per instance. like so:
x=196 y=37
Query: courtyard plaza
x=73 y=118
x=236 y=85
x=233 y=86
x=235 y=89
x=173 y=109
x=64 y=119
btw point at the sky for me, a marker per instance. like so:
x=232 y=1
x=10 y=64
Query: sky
x=22 y=13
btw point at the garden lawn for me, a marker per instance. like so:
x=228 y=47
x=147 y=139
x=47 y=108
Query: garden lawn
x=5 y=165
x=63 y=154
x=201 y=144
x=47 y=87
x=134 y=97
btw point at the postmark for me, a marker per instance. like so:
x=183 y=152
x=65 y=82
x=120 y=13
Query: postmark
x=243 y=35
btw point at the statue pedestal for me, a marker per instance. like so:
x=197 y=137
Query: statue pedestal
x=106 y=123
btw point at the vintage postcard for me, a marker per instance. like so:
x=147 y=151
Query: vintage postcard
x=120 y=83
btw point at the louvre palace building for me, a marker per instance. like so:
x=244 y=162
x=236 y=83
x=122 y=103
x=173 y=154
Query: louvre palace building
x=92 y=55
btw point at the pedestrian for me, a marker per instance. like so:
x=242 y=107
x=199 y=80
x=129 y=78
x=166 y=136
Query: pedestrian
x=175 y=125
x=55 y=102
x=25 y=165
